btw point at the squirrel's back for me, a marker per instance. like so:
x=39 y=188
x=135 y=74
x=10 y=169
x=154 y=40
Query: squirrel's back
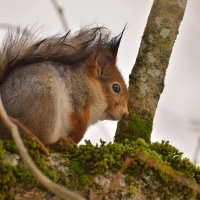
x=58 y=86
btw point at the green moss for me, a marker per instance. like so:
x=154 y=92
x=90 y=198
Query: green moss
x=85 y=181
x=84 y=162
x=89 y=159
x=7 y=180
x=133 y=128
x=133 y=189
x=171 y=155
x=7 y=196
x=1 y=150
x=9 y=145
x=11 y=175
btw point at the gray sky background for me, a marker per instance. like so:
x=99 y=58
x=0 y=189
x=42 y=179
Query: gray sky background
x=180 y=101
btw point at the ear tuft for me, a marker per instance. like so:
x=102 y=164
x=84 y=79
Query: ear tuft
x=115 y=42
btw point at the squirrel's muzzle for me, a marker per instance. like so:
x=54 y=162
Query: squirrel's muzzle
x=125 y=115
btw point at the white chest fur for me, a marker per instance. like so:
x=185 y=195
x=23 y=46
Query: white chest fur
x=99 y=105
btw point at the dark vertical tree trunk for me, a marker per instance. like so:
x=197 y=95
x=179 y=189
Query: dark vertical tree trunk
x=147 y=77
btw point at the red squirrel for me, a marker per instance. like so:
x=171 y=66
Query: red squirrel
x=57 y=86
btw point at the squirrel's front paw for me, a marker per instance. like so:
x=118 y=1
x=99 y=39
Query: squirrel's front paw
x=63 y=143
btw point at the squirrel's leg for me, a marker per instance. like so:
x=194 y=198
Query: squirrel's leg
x=79 y=124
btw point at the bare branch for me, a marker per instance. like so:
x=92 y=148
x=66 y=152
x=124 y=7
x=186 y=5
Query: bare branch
x=61 y=15
x=59 y=190
x=196 y=153
x=7 y=26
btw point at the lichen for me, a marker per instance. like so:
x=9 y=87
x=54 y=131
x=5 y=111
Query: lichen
x=165 y=33
x=158 y=21
x=182 y=3
x=151 y=58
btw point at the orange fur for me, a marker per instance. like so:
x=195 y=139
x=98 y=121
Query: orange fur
x=79 y=124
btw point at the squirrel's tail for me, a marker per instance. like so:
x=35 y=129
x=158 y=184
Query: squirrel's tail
x=21 y=47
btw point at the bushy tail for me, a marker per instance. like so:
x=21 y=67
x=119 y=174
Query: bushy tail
x=21 y=47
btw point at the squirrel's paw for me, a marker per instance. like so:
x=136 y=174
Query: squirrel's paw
x=63 y=143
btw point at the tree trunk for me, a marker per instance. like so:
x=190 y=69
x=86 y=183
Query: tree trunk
x=147 y=77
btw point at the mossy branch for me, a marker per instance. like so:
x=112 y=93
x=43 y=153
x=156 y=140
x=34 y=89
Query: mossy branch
x=134 y=170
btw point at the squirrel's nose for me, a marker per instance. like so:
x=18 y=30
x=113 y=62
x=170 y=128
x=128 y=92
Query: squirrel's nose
x=125 y=115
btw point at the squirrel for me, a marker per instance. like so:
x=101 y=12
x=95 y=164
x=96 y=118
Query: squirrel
x=59 y=85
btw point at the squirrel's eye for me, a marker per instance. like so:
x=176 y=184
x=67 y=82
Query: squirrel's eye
x=116 y=88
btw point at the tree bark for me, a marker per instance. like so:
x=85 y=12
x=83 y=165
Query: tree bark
x=146 y=81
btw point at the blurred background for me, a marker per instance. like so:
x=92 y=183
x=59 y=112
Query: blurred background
x=178 y=114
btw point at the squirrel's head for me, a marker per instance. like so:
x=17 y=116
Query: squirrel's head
x=111 y=81
x=114 y=88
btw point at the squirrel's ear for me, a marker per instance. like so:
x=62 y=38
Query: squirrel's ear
x=115 y=42
x=102 y=63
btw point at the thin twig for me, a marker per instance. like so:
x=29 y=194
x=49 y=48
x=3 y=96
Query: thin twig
x=57 y=189
x=195 y=161
x=30 y=134
x=61 y=15
x=7 y=26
